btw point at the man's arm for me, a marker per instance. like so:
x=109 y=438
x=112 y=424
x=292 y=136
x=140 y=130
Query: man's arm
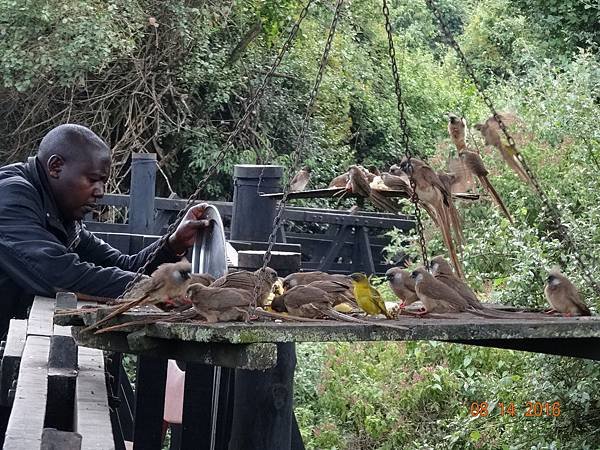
x=95 y=250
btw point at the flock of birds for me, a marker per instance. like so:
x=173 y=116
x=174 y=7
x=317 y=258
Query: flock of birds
x=434 y=189
x=307 y=296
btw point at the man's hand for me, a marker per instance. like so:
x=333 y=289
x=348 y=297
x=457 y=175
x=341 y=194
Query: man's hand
x=185 y=234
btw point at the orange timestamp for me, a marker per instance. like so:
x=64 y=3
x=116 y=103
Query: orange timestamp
x=531 y=409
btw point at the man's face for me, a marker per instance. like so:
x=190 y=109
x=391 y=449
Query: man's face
x=78 y=184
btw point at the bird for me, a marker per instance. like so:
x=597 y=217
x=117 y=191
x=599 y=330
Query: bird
x=490 y=130
x=340 y=181
x=456 y=130
x=300 y=180
x=448 y=180
x=368 y=298
x=397 y=183
x=402 y=285
x=248 y=281
x=205 y=279
x=305 y=278
x=475 y=165
x=340 y=292
x=169 y=281
x=431 y=191
x=436 y=296
x=304 y=301
x=358 y=184
x=563 y=295
x=442 y=271
x=220 y=304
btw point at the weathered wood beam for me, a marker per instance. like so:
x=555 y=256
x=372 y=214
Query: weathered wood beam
x=26 y=422
x=11 y=359
x=92 y=415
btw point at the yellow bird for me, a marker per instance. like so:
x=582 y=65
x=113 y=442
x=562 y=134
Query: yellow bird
x=367 y=297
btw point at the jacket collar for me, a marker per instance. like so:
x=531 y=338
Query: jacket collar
x=68 y=230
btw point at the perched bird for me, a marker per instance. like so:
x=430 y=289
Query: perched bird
x=442 y=271
x=397 y=183
x=340 y=181
x=475 y=165
x=563 y=296
x=169 y=281
x=359 y=185
x=304 y=301
x=448 y=180
x=220 y=304
x=339 y=291
x=456 y=130
x=431 y=191
x=491 y=132
x=305 y=278
x=369 y=173
x=402 y=284
x=367 y=297
x=204 y=279
x=248 y=281
x=436 y=296
x=300 y=180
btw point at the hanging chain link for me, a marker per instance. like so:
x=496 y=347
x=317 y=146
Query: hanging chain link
x=297 y=155
x=239 y=127
x=405 y=134
x=548 y=205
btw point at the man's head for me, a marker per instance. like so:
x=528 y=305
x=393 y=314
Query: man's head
x=77 y=163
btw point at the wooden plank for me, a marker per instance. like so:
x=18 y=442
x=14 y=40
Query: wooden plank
x=458 y=326
x=40 y=322
x=26 y=422
x=13 y=351
x=252 y=357
x=53 y=439
x=92 y=415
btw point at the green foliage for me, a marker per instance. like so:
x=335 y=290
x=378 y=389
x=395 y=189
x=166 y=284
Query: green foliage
x=178 y=89
x=564 y=25
x=63 y=41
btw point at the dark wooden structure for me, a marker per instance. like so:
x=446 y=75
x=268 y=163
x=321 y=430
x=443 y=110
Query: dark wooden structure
x=334 y=241
x=57 y=390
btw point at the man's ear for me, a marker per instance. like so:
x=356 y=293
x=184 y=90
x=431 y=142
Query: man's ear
x=55 y=165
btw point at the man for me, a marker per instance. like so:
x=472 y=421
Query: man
x=43 y=245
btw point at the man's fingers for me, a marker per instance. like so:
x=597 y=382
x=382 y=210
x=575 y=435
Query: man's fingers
x=203 y=223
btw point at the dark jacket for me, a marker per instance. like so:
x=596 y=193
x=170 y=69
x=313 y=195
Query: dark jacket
x=40 y=253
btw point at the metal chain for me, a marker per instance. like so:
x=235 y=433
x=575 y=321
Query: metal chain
x=239 y=127
x=405 y=135
x=548 y=205
x=301 y=141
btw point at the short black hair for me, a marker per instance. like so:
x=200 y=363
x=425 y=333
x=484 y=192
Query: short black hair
x=70 y=141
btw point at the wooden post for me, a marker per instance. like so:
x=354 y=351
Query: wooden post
x=252 y=217
x=263 y=401
x=141 y=193
x=149 y=403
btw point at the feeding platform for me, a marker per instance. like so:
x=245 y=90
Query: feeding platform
x=567 y=336
x=338 y=192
